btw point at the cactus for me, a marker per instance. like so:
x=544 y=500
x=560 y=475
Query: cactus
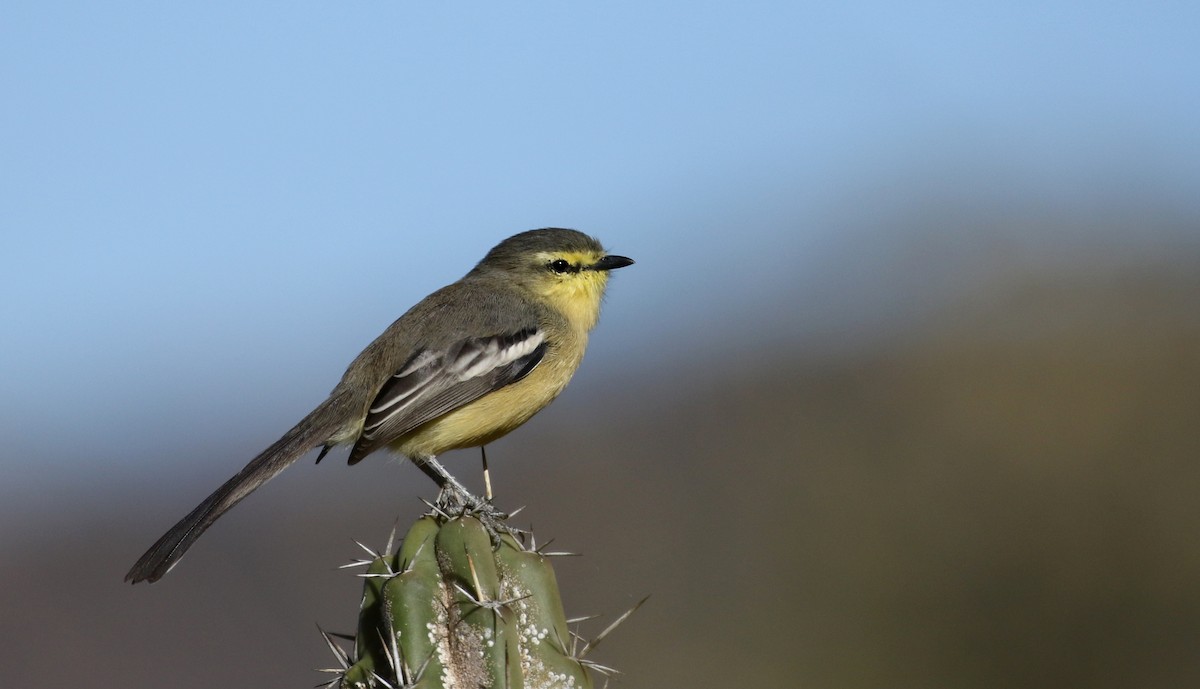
x=454 y=608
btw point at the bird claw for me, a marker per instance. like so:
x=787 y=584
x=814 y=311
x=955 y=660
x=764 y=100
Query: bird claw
x=454 y=502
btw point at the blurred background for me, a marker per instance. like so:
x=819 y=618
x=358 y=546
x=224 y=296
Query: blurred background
x=903 y=390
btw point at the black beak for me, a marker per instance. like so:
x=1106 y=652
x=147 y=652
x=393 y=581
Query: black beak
x=612 y=263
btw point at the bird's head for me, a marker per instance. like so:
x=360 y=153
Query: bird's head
x=565 y=268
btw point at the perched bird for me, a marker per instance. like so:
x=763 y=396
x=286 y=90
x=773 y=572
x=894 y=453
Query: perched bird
x=463 y=367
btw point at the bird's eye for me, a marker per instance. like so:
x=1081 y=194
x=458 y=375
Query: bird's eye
x=560 y=266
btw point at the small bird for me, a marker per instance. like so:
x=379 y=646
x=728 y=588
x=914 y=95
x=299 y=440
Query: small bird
x=466 y=365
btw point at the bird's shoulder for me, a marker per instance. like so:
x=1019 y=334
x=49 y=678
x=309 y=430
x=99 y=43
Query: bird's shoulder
x=471 y=308
x=464 y=310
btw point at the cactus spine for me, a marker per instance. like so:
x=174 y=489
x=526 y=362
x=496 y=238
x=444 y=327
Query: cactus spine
x=448 y=610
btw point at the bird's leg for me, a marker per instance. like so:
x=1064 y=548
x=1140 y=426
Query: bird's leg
x=455 y=498
x=455 y=494
x=444 y=480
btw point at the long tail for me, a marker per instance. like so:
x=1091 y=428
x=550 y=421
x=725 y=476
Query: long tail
x=329 y=417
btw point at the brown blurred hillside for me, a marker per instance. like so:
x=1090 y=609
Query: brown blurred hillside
x=1003 y=495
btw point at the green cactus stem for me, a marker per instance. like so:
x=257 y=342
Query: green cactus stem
x=451 y=610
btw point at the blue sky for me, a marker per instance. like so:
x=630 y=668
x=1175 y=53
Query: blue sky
x=202 y=205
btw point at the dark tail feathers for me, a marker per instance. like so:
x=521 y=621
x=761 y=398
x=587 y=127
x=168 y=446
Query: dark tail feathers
x=313 y=430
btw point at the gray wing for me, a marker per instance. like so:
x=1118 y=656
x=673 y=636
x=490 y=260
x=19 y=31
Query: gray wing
x=434 y=382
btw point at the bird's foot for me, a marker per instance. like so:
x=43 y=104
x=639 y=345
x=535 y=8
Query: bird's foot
x=453 y=501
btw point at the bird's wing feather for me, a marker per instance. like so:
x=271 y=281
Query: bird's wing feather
x=434 y=382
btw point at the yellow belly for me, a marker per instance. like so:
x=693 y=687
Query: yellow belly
x=495 y=414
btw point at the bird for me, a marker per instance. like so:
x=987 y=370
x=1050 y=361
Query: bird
x=463 y=367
